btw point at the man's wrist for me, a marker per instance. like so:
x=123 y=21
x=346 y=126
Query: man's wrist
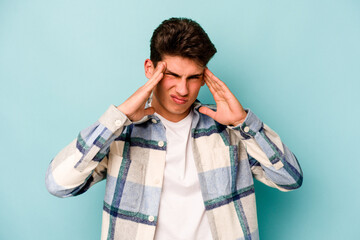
x=236 y=123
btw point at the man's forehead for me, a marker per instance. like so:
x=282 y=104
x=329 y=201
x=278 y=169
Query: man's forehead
x=182 y=66
x=179 y=72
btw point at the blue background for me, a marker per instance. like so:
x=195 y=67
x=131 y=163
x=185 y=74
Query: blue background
x=294 y=63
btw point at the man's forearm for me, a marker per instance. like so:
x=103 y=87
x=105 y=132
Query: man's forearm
x=271 y=161
x=72 y=169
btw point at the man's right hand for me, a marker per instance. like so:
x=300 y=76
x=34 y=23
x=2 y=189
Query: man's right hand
x=134 y=106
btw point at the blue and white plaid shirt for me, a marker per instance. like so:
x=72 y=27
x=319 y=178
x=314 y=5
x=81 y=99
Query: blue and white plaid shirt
x=131 y=156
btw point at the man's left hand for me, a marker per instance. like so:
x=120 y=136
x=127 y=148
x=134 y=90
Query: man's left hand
x=229 y=110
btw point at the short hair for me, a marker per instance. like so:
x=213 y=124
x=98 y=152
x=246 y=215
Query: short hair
x=181 y=37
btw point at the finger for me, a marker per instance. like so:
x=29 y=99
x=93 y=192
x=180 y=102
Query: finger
x=213 y=77
x=207 y=111
x=155 y=80
x=157 y=76
x=215 y=80
x=214 y=89
x=215 y=93
x=160 y=68
x=218 y=85
x=209 y=78
x=210 y=83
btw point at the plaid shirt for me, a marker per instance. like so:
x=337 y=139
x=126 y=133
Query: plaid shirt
x=131 y=156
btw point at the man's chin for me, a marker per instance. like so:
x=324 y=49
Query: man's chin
x=180 y=110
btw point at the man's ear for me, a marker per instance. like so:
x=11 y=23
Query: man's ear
x=149 y=68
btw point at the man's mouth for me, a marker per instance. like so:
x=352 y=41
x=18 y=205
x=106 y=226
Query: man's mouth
x=178 y=100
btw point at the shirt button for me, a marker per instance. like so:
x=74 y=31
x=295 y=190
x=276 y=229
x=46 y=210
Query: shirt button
x=246 y=129
x=151 y=218
x=154 y=120
x=161 y=144
x=118 y=123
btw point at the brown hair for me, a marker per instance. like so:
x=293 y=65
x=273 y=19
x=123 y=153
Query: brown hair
x=181 y=37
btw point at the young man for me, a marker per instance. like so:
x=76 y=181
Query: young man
x=174 y=168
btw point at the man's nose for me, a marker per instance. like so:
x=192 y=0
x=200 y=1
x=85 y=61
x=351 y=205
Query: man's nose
x=181 y=87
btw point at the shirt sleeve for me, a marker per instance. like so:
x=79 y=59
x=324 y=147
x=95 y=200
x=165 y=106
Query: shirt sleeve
x=271 y=161
x=83 y=162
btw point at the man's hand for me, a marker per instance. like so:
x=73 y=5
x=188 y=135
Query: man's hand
x=134 y=106
x=229 y=110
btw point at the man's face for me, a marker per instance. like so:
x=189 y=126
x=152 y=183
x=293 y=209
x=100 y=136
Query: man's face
x=179 y=88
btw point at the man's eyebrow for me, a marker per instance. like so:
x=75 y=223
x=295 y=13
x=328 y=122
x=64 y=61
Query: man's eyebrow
x=172 y=73
x=177 y=75
x=197 y=75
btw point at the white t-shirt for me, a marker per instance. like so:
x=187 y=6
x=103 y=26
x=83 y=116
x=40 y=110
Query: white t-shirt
x=182 y=211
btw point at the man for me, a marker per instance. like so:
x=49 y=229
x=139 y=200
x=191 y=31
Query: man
x=175 y=168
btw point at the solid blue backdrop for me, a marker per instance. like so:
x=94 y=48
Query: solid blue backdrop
x=294 y=63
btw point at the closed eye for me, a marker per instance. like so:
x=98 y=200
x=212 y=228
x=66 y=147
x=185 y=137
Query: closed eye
x=172 y=74
x=197 y=76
